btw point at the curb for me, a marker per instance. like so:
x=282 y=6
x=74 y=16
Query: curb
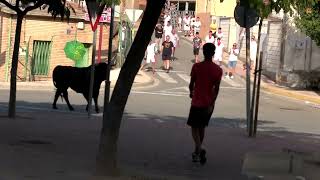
x=48 y=85
x=276 y=90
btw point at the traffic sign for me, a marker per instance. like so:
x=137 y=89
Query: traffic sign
x=133 y=14
x=104 y=18
x=246 y=17
x=95 y=9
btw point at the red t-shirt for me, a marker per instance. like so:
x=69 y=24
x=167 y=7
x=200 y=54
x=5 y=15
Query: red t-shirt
x=206 y=74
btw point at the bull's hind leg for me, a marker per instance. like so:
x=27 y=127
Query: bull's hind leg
x=96 y=104
x=65 y=95
x=58 y=93
x=86 y=96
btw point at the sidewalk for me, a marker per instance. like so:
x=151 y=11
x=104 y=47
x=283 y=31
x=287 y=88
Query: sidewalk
x=270 y=86
x=52 y=145
x=142 y=79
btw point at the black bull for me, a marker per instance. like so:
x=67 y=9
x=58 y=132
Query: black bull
x=78 y=79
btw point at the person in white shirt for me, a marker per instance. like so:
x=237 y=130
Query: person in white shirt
x=209 y=38
x=175 y=40
x=219 y=51
x=150 y=56
x=233 y=58
x=253 y=51
x=180 y=23
x=197 y=25
x=186 y=25
x=167 y=19
x=167 y=29
x=219 y=33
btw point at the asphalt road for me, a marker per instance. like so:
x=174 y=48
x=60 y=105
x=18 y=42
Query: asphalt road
x=163 y=108
x=169 y=97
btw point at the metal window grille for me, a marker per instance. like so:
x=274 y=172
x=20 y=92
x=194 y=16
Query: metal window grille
x=40 y=57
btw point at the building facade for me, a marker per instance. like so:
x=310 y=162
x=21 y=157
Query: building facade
x=42 y=43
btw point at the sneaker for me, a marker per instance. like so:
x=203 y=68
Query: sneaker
x=227 y=76
x=202 y=156
x=195 y=157
x=231 y=77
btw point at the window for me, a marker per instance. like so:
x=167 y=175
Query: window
x=40 y=57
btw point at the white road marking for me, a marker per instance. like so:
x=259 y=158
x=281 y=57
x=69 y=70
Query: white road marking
x=231 y=82
x=161 y=94
x=166 y=77
x=185 y=77
x=171 y=71
x=159 y=120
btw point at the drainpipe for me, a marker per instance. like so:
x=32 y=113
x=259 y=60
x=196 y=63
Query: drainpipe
x=8 y=51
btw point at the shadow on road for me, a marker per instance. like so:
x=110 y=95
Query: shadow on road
x=160 y=145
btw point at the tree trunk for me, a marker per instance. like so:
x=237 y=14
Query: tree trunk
x=107 y=155
x=14 y=67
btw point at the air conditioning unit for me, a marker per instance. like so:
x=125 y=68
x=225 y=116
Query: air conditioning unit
x=80 y=25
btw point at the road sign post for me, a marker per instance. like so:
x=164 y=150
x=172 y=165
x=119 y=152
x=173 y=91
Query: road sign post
x=107 y=82
x=247 y=17
x=95 y=10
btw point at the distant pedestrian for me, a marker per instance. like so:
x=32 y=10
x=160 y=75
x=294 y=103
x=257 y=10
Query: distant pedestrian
x=180 y=23
x=168 y=29
x=175 y=40
x=204 y=88
x=197 y=42
x=158 y=33
x=151 y=56
x=167 y=18
x=233 y=58
x=197 y=25
x=209 y=38
x=186 y=25
x=219 y=51
x=167 y=50
x=219 y=33
x=253 y=51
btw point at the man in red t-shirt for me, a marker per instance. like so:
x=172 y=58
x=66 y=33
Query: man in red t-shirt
x=204 y=89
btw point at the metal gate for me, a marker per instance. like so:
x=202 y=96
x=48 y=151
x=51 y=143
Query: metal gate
x=40 y=57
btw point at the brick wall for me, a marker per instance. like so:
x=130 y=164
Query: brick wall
x=47 y=29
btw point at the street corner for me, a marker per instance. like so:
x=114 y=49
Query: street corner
x=308 y=97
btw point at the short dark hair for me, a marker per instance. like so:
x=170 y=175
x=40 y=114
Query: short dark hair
x=208 y=51
x=197 y=32
x=219 y=28
x=218 y=38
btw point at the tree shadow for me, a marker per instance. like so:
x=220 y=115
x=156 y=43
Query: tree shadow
x=148 y=143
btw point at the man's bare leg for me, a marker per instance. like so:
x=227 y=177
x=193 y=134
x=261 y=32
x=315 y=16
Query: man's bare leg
x=197 y=139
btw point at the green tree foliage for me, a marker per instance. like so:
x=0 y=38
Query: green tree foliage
x=309 y=21
x=307 y=13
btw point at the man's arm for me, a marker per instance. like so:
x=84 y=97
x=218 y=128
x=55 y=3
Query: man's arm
x=192 y=81
x=216 y=89
x=191 y=86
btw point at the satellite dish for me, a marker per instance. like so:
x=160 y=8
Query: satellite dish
x=251 y=18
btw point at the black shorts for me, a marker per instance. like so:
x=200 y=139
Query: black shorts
x=196 y=51
x=158 y=36
x=199 y=117
x=166 y=57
